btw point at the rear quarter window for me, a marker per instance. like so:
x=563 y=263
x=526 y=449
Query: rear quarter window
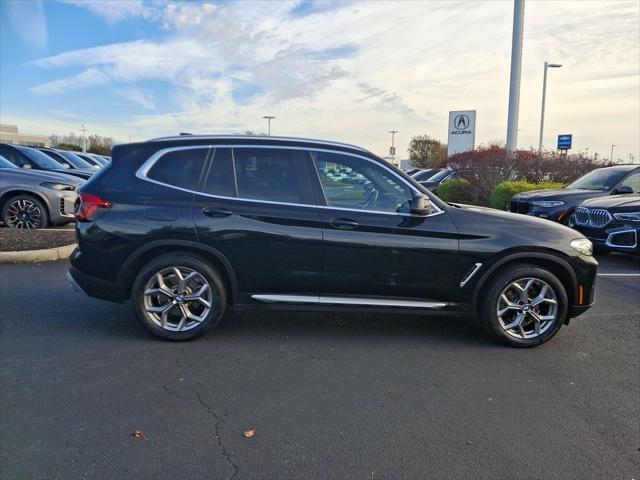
x=180 y=168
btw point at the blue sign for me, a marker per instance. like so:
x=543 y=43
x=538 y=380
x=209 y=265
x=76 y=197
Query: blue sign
x=564 y=141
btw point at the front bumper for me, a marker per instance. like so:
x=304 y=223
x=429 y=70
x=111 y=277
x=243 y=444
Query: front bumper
x=620 y=238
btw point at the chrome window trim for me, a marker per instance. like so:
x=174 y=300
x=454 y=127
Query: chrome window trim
x=361 y=301
x=257 y=138
x=143 y=171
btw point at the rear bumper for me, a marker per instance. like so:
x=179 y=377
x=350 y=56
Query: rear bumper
x=95 y=287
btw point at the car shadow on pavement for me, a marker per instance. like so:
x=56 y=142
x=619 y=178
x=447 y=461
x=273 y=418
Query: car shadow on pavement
x=324 y=326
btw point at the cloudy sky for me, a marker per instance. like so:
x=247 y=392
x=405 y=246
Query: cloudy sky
x=341 y=70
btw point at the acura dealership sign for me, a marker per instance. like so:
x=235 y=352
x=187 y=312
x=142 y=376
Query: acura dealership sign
x=462 y=131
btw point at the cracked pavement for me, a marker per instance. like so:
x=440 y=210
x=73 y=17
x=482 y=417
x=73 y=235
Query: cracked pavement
x=329 y=395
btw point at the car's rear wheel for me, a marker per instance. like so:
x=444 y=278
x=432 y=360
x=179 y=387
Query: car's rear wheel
x=179 y=296
x=524 y=306
x=25 y=212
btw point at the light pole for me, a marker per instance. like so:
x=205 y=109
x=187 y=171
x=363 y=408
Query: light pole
x=392 y=150
x=514 y=82
x=611 y=158
x=269 y=118
x=544 y=96
x=83 y=129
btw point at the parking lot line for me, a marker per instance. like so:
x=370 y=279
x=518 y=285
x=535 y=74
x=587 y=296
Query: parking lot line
x=619 y=274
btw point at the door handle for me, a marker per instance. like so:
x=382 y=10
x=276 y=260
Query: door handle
x=216 y=212
x=344 y=223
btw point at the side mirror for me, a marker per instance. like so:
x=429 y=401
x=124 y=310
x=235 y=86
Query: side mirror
x=623 y=190
x=421 y=205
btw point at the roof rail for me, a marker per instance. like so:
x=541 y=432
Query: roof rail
x=259 y=138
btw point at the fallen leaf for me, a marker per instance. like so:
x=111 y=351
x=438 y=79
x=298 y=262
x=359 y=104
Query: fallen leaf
x=249 y=433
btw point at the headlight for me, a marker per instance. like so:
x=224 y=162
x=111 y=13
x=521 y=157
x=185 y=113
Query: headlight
x=629 y=216
x=58 y=186
x=547 y=204
x=582 y=245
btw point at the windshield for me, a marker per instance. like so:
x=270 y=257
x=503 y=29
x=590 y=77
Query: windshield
x=424 y=175
x=40 y=159
x=599 y=179
x=4 y=163
x=74 y=160
x=441 y=175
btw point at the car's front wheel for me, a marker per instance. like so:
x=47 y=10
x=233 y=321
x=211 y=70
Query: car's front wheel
x=25 y=211
x=524 y=306
x=178 y=296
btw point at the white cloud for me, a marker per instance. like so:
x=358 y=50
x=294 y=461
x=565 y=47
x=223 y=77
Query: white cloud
x=29 y=21
x=357 y=70
x=118 y=10
x=139 y=97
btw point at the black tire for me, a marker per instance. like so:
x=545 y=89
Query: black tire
x=188 y=262
x=37 y=212
x=491 y=296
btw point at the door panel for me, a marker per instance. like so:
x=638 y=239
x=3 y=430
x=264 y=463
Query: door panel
x=373 y=245
x=274 y=247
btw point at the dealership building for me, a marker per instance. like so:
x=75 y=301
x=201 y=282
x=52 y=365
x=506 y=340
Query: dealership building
x=9 y=134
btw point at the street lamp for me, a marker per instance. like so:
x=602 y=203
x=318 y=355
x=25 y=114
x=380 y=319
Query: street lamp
x=83 y=129
x=269 y=118
x=392 y=150
x=544 y=95
x=611 y=158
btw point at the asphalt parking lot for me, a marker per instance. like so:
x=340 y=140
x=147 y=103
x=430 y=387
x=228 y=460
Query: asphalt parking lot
x=329 y=396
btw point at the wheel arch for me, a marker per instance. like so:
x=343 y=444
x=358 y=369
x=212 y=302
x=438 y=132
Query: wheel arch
x=556 y=265
x=9 y=194
x=146 y=253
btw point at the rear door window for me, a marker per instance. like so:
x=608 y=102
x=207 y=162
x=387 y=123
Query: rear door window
x=272 y=174
x=180 y=168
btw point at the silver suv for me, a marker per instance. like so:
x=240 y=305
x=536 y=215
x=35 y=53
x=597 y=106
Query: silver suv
x=35 y=198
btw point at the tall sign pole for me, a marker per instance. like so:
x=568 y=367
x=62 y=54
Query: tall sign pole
x=516 y=67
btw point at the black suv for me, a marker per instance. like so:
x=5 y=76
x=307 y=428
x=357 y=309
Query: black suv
x=559 y=205
x=188 y=226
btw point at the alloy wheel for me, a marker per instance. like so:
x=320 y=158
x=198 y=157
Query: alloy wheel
x=178 y=299
x=527 y=308
x=23 y=213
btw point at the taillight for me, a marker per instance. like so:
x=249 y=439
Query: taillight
x=87 y=206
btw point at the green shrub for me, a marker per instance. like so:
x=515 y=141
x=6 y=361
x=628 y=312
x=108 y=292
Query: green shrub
x=457 y=191
x=503 y=192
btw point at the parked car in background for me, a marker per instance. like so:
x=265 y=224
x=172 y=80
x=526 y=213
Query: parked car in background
x=70 y=160
x=424 y=174
x=31 y=158
x=35 y=198
x=612 y=223
x=411 y=171
x=559 y=205
x=98 y=158
x=89 y=159
x=186 y=226
x=433 y=182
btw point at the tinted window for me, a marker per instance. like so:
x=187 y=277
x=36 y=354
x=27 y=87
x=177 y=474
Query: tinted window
x=181 y=168
x=14 y=157
x=632 y=181
x=4 y=163
x=220 y=180
x=424 y=175
x=600 y=179
x=39 y=158
x=271 y=174
x=350 y=182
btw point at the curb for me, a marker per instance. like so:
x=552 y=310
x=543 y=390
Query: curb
x=34 y=256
